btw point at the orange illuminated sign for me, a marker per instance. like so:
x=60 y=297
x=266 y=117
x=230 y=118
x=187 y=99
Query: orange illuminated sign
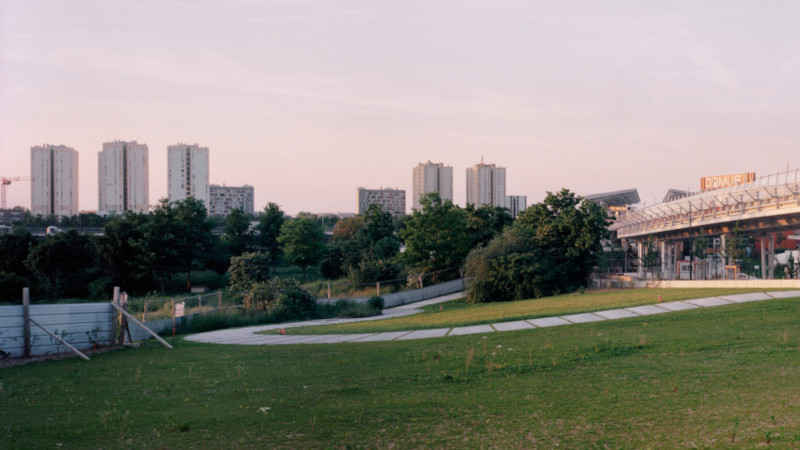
x=723 y=181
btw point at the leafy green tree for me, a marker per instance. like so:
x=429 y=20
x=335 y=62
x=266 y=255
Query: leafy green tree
x=248 y=269
x=14 y=248
x=346 y=228
x=436 y=237
x=486 y=222
x=124 y=253
x=237 y=235
x=161 y=237
x=332 y=264
x=303 y=242
x=551 y=248
x=281 y=299
x=193 y=239
x=14 y=275
x=269 y=227
x=64 y=264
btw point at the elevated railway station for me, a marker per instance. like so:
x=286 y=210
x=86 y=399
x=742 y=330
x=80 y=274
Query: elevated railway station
x=760 y=208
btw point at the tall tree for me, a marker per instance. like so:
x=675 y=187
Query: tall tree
x=124 y=253
x=485 y=222
x=237 y=235
x=193 y=238
x=303 y=241
x=161 y=242
x=551 y=248
x=436 y=236
x=64 y=264
x=269 y=227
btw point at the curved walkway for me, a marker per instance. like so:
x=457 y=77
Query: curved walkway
x=247 y=336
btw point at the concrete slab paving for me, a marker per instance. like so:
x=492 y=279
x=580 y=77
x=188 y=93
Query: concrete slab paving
x=583 y=318
x=298 y=339
x=710 y=301
x=742 y=298
x=548 y=322
x=784 y=294
x=646 y=310
x=348 y=338
x=677 y=306
x=476 y=329
x=513 y=326
x=425 y=334
x=615 y=314
x=384 y=336
x=248 y=336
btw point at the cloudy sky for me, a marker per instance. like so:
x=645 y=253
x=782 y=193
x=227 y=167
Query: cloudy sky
x=306 y=100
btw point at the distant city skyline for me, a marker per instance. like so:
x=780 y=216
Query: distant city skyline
x=305 y=101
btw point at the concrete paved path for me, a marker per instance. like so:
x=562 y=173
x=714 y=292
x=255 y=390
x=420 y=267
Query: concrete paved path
x=247 y=336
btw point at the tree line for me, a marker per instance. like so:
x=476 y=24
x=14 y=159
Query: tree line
x=551 y=248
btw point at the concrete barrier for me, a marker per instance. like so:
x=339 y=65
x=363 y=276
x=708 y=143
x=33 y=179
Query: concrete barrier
x=405 y=297
x=738 y=284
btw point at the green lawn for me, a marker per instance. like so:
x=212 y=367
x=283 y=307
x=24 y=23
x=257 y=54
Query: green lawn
x=460 y=313
x=719 y=377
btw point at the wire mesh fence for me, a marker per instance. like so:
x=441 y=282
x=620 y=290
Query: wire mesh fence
x=348 y=289
x=156 y=308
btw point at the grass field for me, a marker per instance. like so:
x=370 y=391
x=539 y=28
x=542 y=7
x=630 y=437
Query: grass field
x=461 y=313
x=719 y=377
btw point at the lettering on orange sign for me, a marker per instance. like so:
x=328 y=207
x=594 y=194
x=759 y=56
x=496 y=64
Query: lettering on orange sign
x=723 y=181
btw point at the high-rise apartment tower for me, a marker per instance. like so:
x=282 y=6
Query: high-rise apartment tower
x=224 y=199
x=486 y=185
x=123 y=182
x=390 y=200
x=54 y=180
x=430 y=177
x=187 y=167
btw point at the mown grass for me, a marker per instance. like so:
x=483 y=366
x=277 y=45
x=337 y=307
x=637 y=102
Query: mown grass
x=460 y=313
x=719 y=377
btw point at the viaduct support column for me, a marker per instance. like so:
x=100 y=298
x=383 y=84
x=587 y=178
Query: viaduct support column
x=640 y=255
x=664 y=259
x=771 y=262
x=723 y=248
x=763 y=258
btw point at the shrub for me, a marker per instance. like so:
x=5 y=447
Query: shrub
x=249 y=269
x=376 y=303
x=346 y=308
x=282 y=299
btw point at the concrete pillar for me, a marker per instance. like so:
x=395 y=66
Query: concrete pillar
x=723 y=249
x=771 y=256
x=664 y=259
x=763 y=258
x=640 y=254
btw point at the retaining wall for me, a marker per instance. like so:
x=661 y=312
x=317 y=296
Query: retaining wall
x=83 y=325
x=756 y=284
x=416 y=295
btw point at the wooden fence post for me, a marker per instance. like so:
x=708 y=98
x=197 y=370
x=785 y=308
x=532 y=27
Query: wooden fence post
x=26 y=323
x=114 y=326
x=122 y=302
x=329 y=290
x=144 y=313
x=378 y=288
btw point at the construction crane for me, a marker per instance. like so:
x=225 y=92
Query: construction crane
x=4 y=183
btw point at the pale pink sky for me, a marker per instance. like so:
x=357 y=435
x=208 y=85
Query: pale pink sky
x=307 y=100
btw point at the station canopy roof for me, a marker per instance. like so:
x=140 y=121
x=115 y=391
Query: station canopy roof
x=616 y=198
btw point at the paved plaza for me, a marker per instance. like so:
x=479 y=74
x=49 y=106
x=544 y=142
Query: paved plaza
x=249 y=336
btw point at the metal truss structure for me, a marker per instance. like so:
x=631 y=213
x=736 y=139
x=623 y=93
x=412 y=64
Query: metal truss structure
x=770 y=203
